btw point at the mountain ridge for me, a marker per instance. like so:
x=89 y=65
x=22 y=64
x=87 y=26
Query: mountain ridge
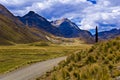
x=69 y=29
x=105 y=35
x=62 y=28
x=32 y=19
x=38 y=27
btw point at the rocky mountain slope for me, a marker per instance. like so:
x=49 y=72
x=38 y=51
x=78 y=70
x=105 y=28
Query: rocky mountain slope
x=32 y=19
x=69 y=29
x=62 y=28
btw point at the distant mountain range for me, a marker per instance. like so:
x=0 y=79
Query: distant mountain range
x=62 y=28
x=33 y=27
x=109 y=34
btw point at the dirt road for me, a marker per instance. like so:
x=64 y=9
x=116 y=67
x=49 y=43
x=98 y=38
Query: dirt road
x=33 y=71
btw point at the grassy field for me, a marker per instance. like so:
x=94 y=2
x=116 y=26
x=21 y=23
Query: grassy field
x=13 y=57
x=100 y=62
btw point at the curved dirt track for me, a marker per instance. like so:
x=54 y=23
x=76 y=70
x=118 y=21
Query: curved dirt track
x=33 y=71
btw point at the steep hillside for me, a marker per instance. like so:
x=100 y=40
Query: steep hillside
x=101 y=62
x=5 y=12
x=12 y=30
x=109 y=34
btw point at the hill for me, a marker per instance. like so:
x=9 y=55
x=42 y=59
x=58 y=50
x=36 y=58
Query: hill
x=62 y=28
x=101 y=62
x=109 y=34
x=12 y=30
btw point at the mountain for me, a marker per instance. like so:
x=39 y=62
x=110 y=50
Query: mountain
x=12 y=30
x=63 y=28
x=109 y=34
x=69 y=29
x=33 y=27
x=32 y=19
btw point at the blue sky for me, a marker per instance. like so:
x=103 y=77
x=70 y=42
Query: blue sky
x=85 y=13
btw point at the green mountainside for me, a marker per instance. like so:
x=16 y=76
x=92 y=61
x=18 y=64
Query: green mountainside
x=101 y=62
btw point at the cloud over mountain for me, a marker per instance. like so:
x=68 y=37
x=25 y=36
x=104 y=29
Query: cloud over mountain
x=86 y=13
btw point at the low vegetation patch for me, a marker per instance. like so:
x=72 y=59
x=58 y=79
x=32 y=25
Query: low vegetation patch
x=40 y=44
x=13 y=57
x=101 y=62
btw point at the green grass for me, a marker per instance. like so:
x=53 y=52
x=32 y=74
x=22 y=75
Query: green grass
x=100 y=62
x=13 y=57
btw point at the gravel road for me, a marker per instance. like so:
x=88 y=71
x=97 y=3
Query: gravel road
x=33 y=71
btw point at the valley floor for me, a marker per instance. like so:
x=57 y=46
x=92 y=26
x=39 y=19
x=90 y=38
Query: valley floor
x=14 y=57
x=33 y=71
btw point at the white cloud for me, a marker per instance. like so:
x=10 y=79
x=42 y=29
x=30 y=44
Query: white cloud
x=40 y=6
x=83 y=12
x=104 y=14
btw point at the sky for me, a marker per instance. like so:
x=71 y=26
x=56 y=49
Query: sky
x=87 y=14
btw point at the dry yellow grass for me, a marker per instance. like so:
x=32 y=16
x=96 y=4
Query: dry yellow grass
x=13 y=57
